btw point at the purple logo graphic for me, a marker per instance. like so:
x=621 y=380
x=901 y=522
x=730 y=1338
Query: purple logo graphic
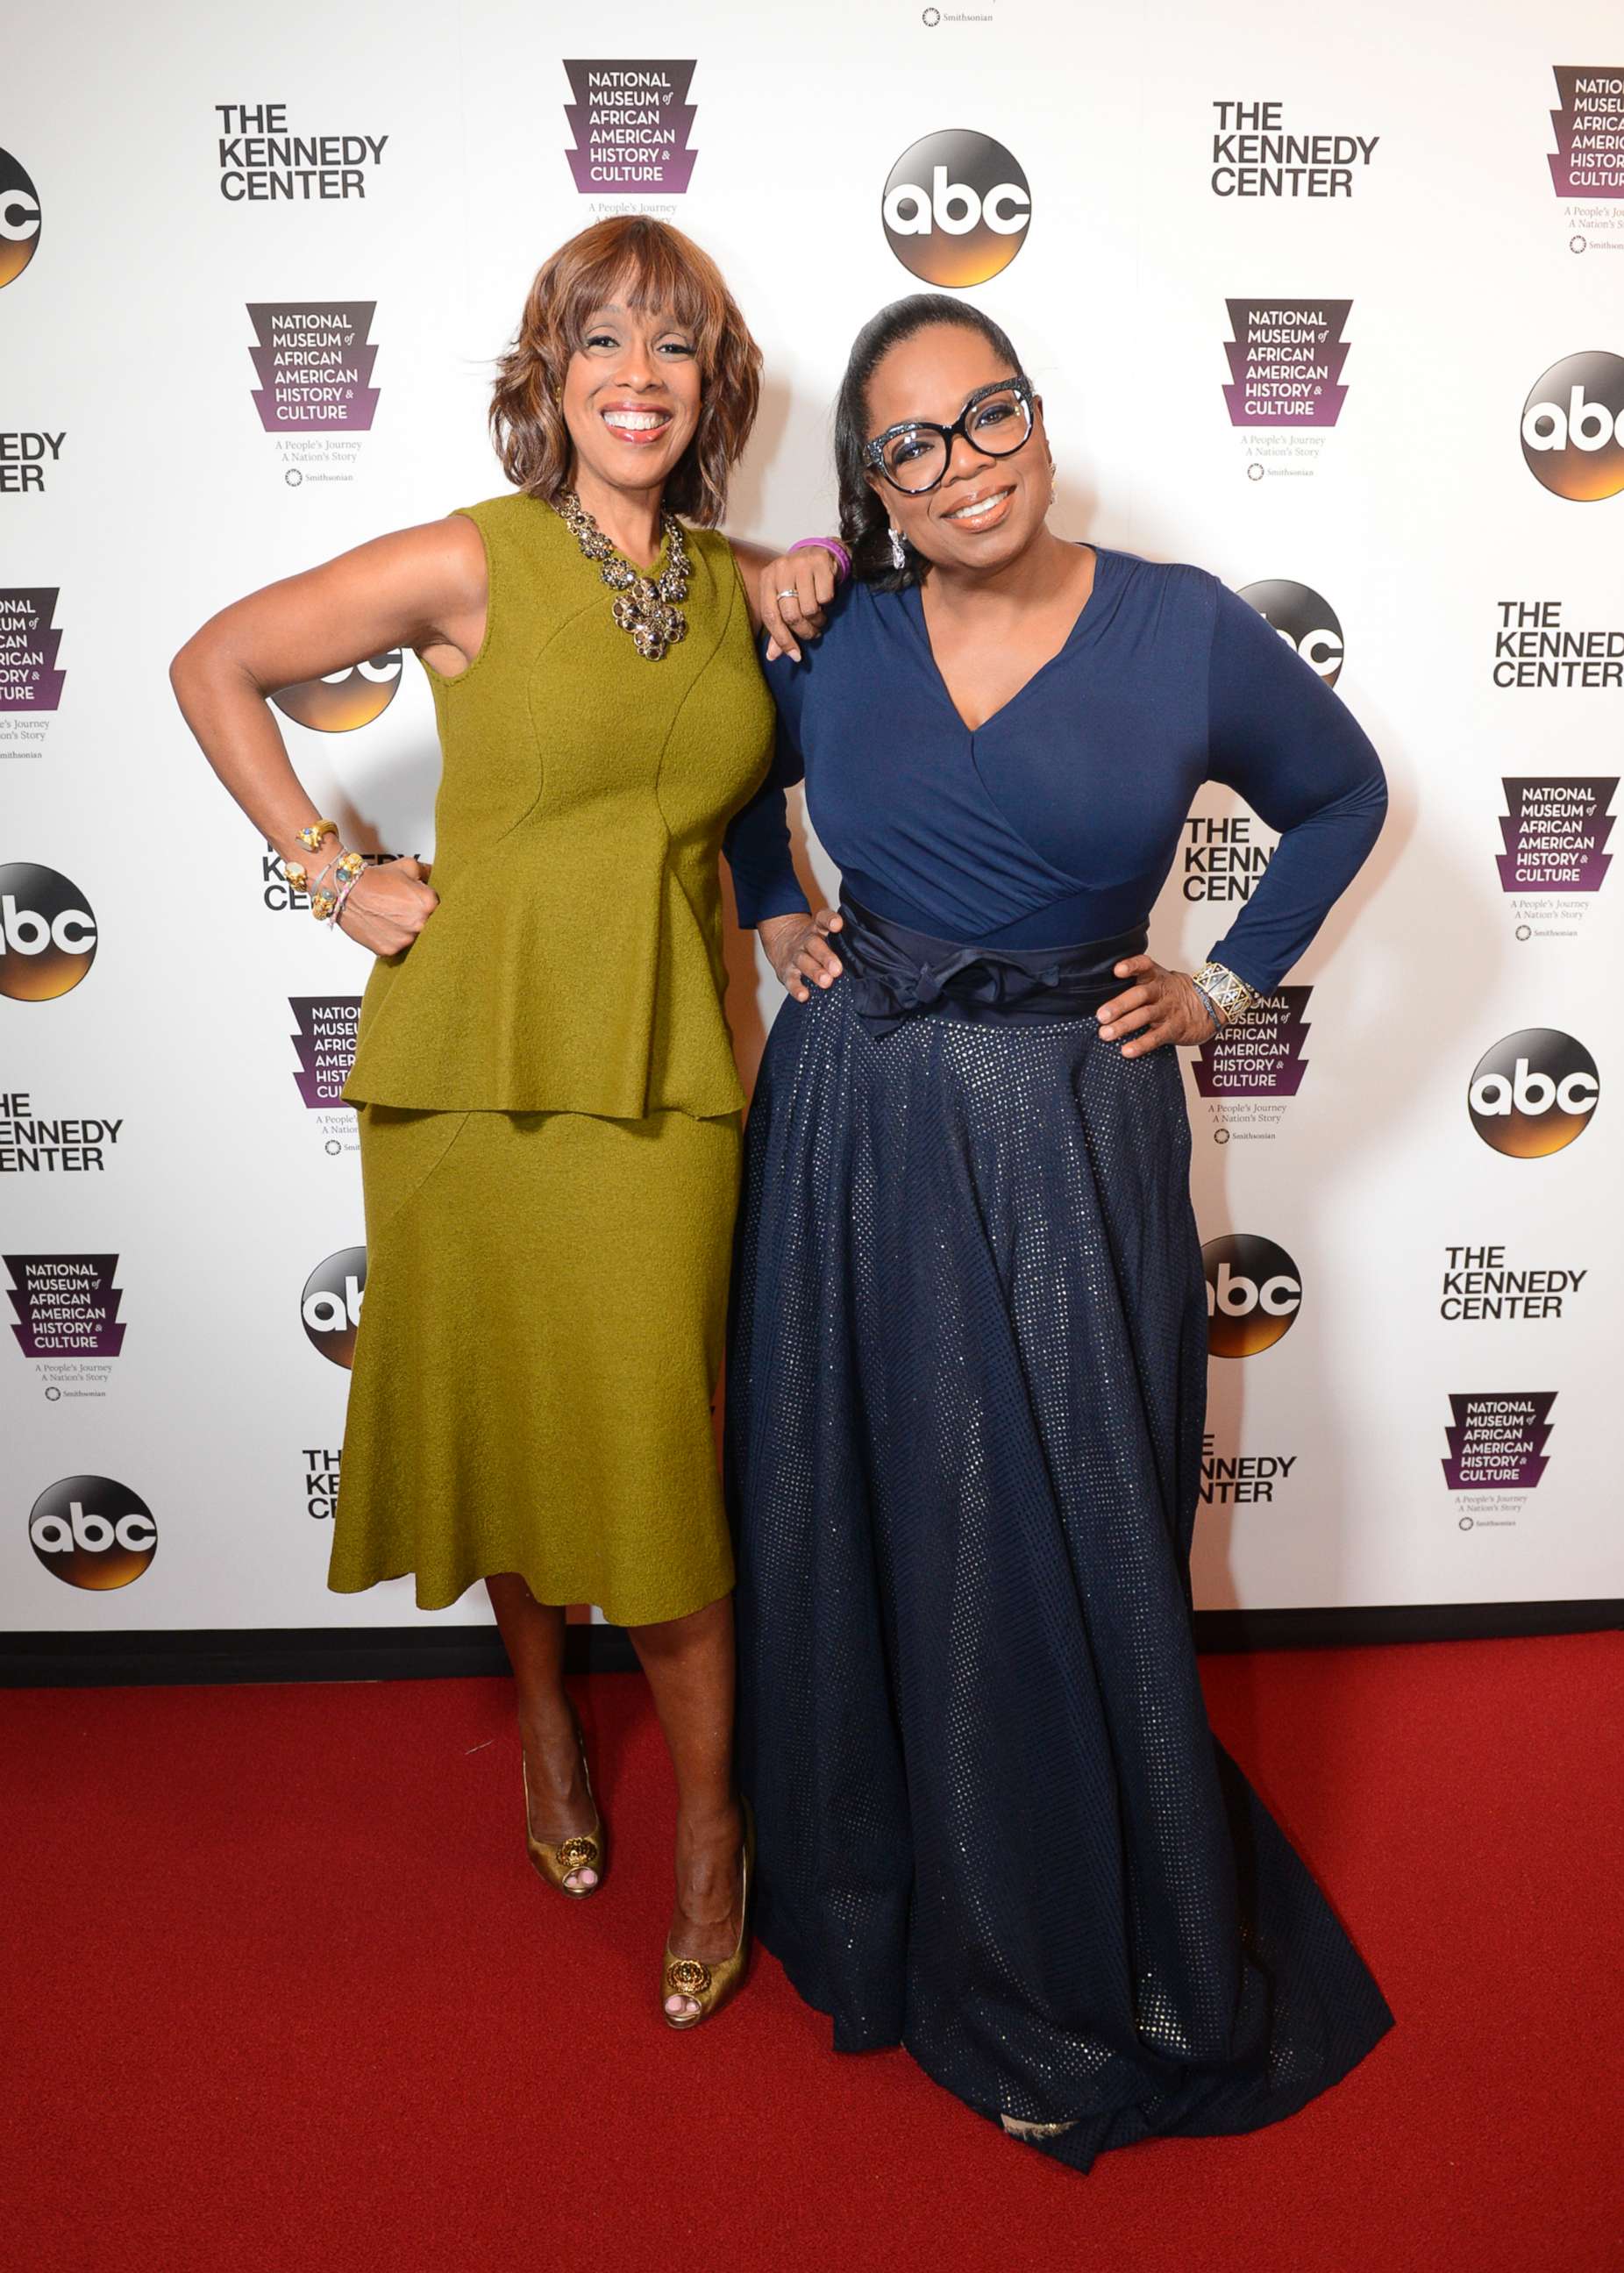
x=1555 y=833
x=631 y=122
x=66 y=1305
x=1589 y=158
x=1285 y=361
x=29 y=679
x=325 y=1042
x=1264 y=1057
x=1497 y=1440
x=313 y=364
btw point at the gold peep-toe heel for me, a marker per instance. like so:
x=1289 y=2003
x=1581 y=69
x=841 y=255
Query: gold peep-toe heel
x=586 y=1850
x=711 y=1985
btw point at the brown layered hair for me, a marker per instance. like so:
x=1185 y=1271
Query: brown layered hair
x=642 y=264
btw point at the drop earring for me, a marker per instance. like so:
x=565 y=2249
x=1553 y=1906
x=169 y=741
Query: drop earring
x=1054 y=480
x=899 y=557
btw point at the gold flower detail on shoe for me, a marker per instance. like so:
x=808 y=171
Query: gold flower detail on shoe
x=573 y=1853
x=688 y=1976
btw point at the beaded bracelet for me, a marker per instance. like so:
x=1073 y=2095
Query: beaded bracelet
x=299 y=876
x=344 y=891
x=326 y=901
x=324 y=905
x=830 y=544
x=1209 y=1006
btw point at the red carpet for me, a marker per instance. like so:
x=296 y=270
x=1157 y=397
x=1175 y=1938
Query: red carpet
x=284 y=1994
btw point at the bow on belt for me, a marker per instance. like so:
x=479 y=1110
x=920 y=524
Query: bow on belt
x=894 y=972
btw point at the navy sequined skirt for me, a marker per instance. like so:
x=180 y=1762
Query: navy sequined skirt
x=966 y=1384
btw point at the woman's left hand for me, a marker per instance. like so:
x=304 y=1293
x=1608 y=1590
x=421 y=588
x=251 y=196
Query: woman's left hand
x=1162 y=1006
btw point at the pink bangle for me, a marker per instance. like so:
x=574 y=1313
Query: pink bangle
x=344 y=891
x=825 y=544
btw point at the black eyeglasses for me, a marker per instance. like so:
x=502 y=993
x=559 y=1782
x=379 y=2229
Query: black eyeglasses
x=996 y=421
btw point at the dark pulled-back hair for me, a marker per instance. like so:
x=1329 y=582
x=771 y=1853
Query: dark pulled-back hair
x=650 y=264
x=863 y=516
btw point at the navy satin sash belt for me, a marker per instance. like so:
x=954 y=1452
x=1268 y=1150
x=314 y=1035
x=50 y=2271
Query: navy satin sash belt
x=893 y=972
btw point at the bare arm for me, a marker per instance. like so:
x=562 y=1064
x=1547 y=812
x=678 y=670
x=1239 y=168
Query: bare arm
x=421 y=587
x=780 y=586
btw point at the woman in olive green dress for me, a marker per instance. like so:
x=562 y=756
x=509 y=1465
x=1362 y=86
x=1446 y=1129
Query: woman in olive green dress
x=547 y=1098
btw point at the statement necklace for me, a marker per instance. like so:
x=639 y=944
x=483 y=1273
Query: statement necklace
x=646 y=607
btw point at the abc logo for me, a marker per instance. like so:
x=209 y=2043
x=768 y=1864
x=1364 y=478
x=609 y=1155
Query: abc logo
x=1573 y=427
x=19 y=219
x=1533 y=1092
x=1303 y=620
x=957 y=208
x=1253 y=1293
x=48 y=934
x=331 y=1303
x=344 y=698
x=89 y=1531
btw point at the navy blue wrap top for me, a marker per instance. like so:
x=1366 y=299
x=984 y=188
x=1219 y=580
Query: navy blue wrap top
x=1057 y=820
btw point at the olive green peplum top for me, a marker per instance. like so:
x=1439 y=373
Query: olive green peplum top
x=574 y=962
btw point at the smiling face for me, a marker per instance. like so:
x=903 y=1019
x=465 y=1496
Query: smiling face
x=986 y=510
x=631 y=394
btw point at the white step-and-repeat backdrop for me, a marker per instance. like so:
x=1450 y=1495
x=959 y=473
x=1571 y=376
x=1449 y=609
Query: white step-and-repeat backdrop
x=1333 y=305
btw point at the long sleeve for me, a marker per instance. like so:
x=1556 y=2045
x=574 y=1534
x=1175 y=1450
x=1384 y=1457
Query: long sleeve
x=1279 y=736
x=757 y=843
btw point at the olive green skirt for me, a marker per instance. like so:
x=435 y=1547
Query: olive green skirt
x=538 y=1349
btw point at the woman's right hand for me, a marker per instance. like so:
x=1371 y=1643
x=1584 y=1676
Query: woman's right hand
x=388 y=905
x=796 y=950
x=791 y=595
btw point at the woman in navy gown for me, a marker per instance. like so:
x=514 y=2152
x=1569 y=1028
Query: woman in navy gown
x=967 y=1367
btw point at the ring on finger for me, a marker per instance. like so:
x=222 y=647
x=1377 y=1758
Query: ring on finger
x=788 y=595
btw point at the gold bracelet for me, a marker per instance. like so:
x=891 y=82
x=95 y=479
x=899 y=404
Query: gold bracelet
x=1231 y=998
x=311 y=837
